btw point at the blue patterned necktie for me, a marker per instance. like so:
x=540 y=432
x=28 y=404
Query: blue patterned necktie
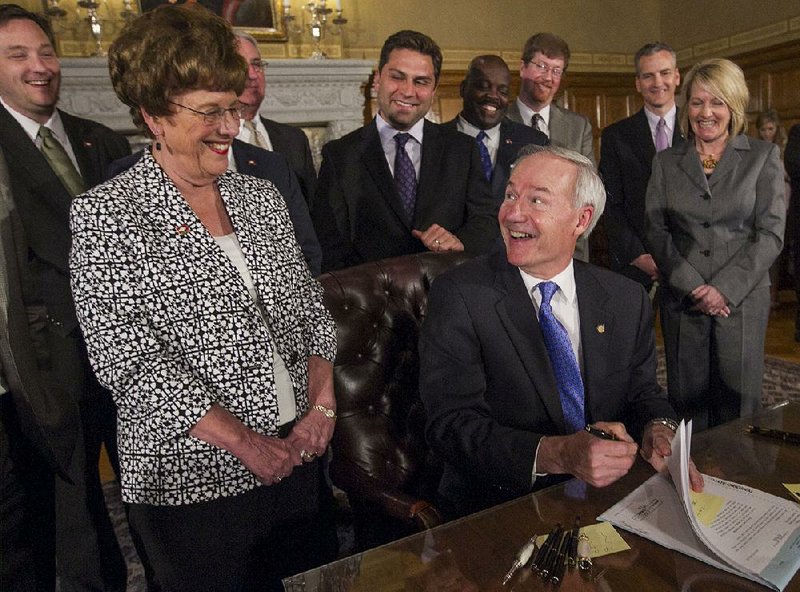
x=562 y=358
x=486 y=159
x=405 y=177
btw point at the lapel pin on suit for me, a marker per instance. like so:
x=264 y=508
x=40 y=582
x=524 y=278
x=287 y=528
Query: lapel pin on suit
x=251 y=162
x=601 y=328
x=509 y=141
x=87 y=144
x=182 y=229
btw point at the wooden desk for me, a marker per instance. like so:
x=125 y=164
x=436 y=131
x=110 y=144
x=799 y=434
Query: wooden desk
x=475 y=552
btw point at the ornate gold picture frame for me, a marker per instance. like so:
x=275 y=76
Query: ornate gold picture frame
x=259 y=18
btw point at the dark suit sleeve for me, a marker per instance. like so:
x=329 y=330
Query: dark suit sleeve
x=329 y=213
x=792 y=157
x=301 y=220
x=480 y=229
x=645 y=398
x=623 y=241
x=460 y=427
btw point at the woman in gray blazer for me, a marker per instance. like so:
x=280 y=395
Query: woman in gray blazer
x=714 y=225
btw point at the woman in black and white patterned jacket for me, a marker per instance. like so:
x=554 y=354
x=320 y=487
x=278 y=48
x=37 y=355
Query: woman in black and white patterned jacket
x=201 y=317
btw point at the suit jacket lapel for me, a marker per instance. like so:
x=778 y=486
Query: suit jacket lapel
x=556 y=126
x=597 y=334
x=518 y=316
x=375 y=162
x=730 y=159
x=247 y=158
x=643 y=139
x=82 y=145
x=689 y=162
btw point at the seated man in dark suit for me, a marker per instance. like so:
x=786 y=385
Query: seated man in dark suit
x=265 y=133
x=524 y=347
x=402 y=184
x=485 y=102
x=257 y=162
x=626 y=151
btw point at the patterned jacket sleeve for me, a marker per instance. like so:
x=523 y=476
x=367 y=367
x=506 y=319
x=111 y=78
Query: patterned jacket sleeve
x=126 y=356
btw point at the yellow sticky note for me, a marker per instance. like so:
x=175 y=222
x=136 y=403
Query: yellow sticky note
x=794 y=489
x=706 y=506
x=603 y=538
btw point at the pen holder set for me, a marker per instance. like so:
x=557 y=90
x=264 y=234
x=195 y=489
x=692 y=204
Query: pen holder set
x=562 y=549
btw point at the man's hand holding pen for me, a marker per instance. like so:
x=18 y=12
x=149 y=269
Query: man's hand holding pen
x=604 y=452
x=597 y=460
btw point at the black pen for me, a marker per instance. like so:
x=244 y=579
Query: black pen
x=542 y=551
x=573 y=543
x=790 y=437
x=557 y=573
x=597 y=432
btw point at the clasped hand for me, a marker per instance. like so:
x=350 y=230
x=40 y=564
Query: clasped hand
x=708 y=300
x=272 y=459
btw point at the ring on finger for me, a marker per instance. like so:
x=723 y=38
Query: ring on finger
x=278 y=478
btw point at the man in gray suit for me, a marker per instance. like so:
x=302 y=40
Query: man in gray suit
x=544 y=62
x=38 y=426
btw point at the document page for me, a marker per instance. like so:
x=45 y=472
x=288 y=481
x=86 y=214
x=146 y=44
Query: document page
x=728 y=525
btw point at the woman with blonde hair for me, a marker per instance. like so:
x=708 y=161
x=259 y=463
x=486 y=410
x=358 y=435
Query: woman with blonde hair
x=714 y=224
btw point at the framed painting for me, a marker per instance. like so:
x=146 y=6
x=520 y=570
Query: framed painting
x=260 y=18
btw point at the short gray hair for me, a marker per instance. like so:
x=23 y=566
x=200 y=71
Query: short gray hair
x=589 y=189
x=247 y=37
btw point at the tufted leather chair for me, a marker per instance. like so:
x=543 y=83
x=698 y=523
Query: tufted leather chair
x=380 y=458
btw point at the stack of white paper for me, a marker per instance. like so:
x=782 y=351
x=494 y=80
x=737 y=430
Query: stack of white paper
x=730 y=526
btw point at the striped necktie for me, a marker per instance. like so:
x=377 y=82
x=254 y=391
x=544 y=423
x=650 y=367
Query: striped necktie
x=256 y=136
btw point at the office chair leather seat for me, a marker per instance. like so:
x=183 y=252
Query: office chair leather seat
x=380 y=458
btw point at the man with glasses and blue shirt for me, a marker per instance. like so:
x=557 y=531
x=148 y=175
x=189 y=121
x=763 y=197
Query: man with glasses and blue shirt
x=545 y=58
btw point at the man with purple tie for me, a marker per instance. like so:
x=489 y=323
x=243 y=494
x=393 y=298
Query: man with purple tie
x=626 y=151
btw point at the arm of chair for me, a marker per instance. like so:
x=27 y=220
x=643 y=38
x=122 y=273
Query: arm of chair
x=357 y=483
